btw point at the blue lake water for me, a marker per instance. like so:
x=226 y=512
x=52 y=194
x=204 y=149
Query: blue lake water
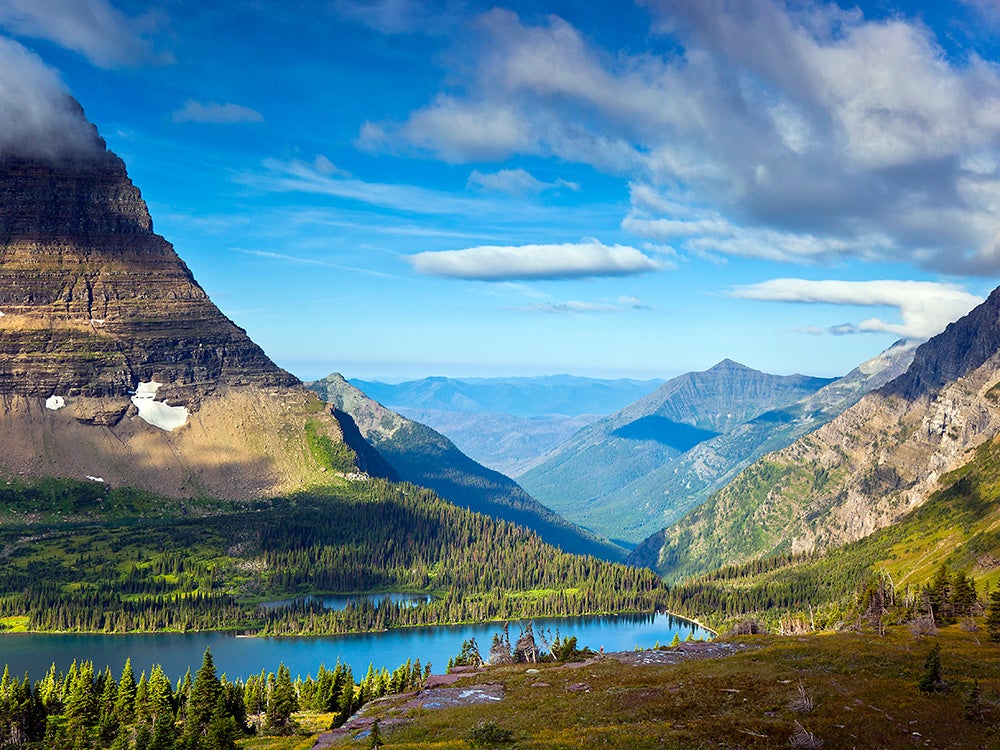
x=241 y=657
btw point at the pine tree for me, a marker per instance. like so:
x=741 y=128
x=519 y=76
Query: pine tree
x=222 y=729
x=205 y=692
x=283 y=702
x=993 y=616
x=125 y=698
x=930 y=680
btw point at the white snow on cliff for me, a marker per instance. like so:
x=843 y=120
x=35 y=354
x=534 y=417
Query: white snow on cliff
x=157 y=413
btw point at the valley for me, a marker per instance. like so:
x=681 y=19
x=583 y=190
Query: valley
x=737 y=555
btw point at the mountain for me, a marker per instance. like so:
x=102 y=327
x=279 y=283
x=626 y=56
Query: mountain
x=426 y=458
x=525 y=397
x=578 y=476
x=115 y=364
x=502 y=442
x=507 y=423
x=665 y=494
x=861 y=472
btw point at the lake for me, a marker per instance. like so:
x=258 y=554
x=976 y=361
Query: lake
x=241 y=657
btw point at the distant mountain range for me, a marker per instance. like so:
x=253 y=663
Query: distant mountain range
x=582 y=477
x=507 y=423
x=865 y=470
x=427 y=458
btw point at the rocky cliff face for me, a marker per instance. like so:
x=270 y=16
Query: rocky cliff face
x=94 y=302
x=115 y=365
x=864 y=470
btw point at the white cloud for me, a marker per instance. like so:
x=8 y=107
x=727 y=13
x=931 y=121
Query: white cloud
x=623 y=303
x=515 y=182
x=925 y=307
x=94 y=28
x=38 y=117
x=495 y=263
x=772 y=130
x=216 y=114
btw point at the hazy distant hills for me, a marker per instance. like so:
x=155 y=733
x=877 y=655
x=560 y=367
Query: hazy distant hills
x=423 y=456
x=507 y=423
x=864 y=470
x=580 y=478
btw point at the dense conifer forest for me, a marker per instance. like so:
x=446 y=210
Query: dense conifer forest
x=77 y=570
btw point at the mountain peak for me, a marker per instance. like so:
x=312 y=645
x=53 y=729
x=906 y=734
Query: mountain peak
x=728 y=365
x=961 y=348
x=83 y=276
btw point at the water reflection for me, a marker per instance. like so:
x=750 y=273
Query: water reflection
x=240 y=657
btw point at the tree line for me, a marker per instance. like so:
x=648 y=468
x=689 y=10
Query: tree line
x=83 y=709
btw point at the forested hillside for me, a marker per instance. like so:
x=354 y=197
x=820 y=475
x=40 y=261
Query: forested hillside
x=81 y=557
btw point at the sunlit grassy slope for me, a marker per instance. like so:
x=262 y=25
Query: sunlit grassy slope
x=863 y=691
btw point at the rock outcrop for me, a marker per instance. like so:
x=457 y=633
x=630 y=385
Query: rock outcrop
x=115 y=364
x=94 y=302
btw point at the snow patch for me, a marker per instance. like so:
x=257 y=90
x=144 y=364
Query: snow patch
x=54 y=402
x=95 y=479
x=157 y=413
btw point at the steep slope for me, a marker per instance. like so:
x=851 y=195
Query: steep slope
x=507 y=423
x=864 y=470
x=665 y=494
x=424 y=457
x=577 y=478
x=115 y=364
x=502 y=442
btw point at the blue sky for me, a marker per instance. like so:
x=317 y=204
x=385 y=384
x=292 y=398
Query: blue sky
x=397 y=189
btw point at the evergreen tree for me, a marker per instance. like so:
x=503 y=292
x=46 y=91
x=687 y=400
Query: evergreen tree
x=930 y=680
x=124 y=710
x=205 y=692
x=222 y=730
x=283 y=702
x=993 y=616
x=164 y=734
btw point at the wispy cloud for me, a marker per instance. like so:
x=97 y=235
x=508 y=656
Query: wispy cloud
x=577 y=307
x=301 y=177
x=516 y=182
x=216 y=114
x=925 y=307
x=505 y=263
x=314 y=262
x=94 y=28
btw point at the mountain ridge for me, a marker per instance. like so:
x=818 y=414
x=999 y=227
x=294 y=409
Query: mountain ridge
x=422 y=456
x=871 y=465
x=576 y=477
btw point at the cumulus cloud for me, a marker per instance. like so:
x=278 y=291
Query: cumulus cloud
x=925 y=307
x=515 y=182
x=774 y=130
x=216 y=114
x=495 y=263
x=94 y=28
x=38 y=117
